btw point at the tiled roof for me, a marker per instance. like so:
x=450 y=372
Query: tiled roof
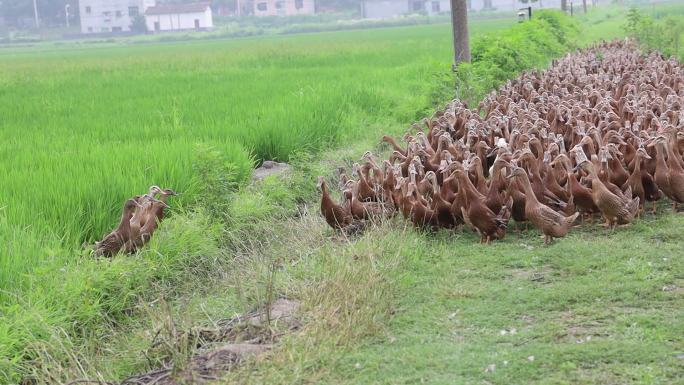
x=165 y=9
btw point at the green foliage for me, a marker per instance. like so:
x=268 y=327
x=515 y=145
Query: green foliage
x=84 y=298
x=218 y=173
x=595 y=307
x=632 y=22
x=658 y=29
x=496 y=58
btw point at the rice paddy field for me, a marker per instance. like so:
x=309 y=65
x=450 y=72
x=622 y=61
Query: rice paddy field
x=82 y=129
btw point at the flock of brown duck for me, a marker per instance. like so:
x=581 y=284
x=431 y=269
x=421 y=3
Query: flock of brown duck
x=600 y=132
x=139 y=220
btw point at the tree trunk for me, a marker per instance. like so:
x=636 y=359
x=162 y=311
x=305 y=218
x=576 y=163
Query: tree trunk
x=564 y=5
x=584 y=5
x=459 y=24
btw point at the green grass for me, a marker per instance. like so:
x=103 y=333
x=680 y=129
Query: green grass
x=595 y=307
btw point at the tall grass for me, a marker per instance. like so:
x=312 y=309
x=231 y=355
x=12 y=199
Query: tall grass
x=83 y=129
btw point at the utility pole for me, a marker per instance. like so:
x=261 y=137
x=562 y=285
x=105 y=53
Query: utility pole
x=35 y=13
x=66 y=14
x=459 y=25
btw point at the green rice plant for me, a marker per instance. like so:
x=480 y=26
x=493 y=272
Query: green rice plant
x=83 y=129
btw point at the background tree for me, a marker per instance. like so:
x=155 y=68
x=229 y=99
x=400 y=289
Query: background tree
x=50 y=12
x=138 y=24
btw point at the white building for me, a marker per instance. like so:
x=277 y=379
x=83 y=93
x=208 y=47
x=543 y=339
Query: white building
x=105 y=16
x=381 y=9
x=284 y=7
x=175 y=17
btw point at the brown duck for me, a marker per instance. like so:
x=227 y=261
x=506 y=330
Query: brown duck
x=114 y=241
x=615 y=209
x=551 y=223
x=478 y=216
x=335 y=215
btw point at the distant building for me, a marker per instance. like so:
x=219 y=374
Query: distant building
x=106 y=16
x=284 y=7
x=382 y=9
x=176 y=17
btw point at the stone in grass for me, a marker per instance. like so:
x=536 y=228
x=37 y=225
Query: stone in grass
x=269 y=167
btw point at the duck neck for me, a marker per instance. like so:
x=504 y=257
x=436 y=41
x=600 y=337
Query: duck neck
x=125 y=223
x=326 y=194
x=637 y=165
x=137 y=216
x=673 y=160
x=495 y=177
x=435 y=187
x=480 y=178
x=466 y=187
x=539 y=156
x=534 y=167
x=605 y=170
x=590 y=146
x=393 y=143
x=438 y=151
x=389 y=178
x=595 y=180
x=572 y=182
x=527 y=187
x=660 y=158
